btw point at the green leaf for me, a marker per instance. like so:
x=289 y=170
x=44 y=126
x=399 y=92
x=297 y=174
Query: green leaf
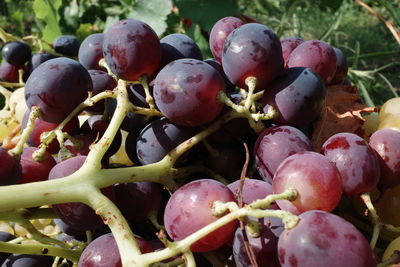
x=206 y=12
x=47 y=11
x=152 y=12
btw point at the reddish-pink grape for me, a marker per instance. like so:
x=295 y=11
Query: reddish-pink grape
x=186 y=92
x=252 y=50
x=32 y=170
x=316 y=179
x=189 y=210
x=316 y=55
x=288 y=44
x=323 y=239
x=341 y=67
x=10 y=168
x=221 y=29
x=9 y=73
x=131 y=49
x=252 y=190
x=274 y=145
x=356 y=161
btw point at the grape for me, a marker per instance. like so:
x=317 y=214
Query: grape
x=85 y=139
x=252 y=50
x=137 y=200
x=388 y=206
x=252 y=190
x=188 y=210
x=41 y=126
x=32 y=170
x=186 y=90
x=57 y=86
x=356 y=161
x=158 y=138
x=316 y=179
x=176 y=46
x=10 y=168
x=16 y=53
x=221 y=29
x=67 y=229
x=66 y=45
x=324 y=239
x=341 y=68
x=4 y=237
x=264 y=247
x=131 y=49
x=288 y=44
x=390 y=121
x=103 y=251
x=25 y=260
x=102 y=81
x=386 y=143
x=274 y=145
x=391 y=248
x=37 y=59
x=390 y=107
x=17 y=100
x=78 y=215
x=91 y=51
x=298 y=96
x=316 y=55
x=230 y=87
x=9 y=73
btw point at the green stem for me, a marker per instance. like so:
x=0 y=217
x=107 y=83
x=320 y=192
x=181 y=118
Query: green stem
x=375 y=54
x=28 y=214
x=149 y=98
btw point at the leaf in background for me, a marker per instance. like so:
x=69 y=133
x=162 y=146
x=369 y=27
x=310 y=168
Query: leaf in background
x=194 y=32
x=47 y=11
x=206 y=12
x=152 y=12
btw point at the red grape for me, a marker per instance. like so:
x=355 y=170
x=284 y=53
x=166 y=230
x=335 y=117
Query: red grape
x=91 y=51
x=32 y=170
x=288 y=44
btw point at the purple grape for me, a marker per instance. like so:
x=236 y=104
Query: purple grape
x=324 y=239
x=356 y=160
x=288 y=44
x=219 y=32
x=9 y=73
x=230 y=87
x=16 y=53
x=102 y=81
x=252 y=50
x=25 y=260
x=298 y=96
x=57 y=86
x=158 y=138
x=10 y=168
x=176 y=46
x=4 y=237
x=37 y=59
x=341 y=67
x=32 y=170
x=316 y=55
x=91 y=51
x=66 y=45
x=186 y=90
x=386 y=143
x=131 y=49
x=274 y=145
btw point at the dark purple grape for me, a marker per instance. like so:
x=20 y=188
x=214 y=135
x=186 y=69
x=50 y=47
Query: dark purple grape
x=341 y=67
x=131 y=49
x=103 y=251
x=67 y=229
x=137 y=200
x=4 y=237
x=16 y=53
x=316 y=55
x=78 y=215
x=66 y=45
x=274 y=145
x=37 y=59
x=158 y=138
x=324 y=239
x=264 y=247
x=221 y=29
x=316 y=179
x=298 y=96
x=10 y=168
x=386 y=143
x=57 y=86
x=91 y=51
x=189 y=210
x=9 y=73
x=186 y=92
x=176 y=46
x=32 y=170
x=102 y=81
x=213 y=62
x=25 y=260
x=288 y=44
x=356 y=160
x=252 y=50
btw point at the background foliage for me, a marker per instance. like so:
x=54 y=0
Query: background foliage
x=371 y=48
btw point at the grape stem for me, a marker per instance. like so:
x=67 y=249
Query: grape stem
x=149 y=99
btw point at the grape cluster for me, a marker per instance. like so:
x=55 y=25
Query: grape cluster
x=141 y=134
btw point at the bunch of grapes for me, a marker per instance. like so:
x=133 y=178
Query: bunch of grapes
x=136 y=151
